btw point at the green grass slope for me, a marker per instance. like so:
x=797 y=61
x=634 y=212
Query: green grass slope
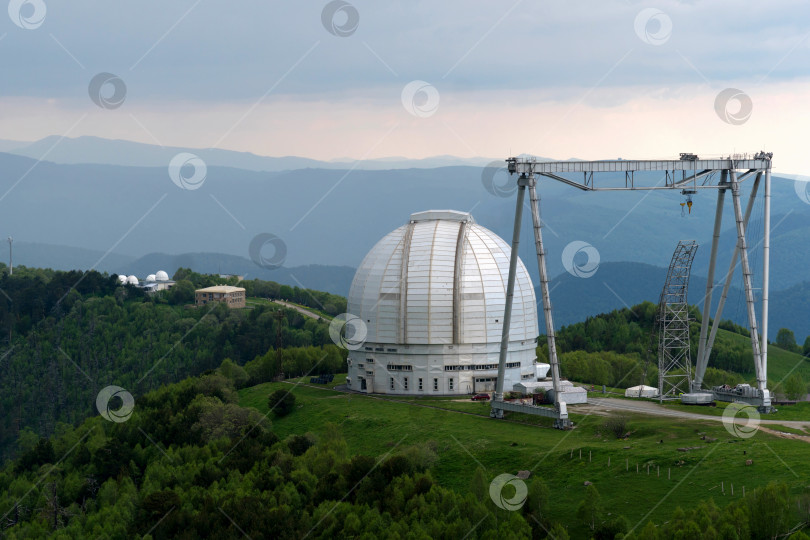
x=781 y=363
x=375 y=426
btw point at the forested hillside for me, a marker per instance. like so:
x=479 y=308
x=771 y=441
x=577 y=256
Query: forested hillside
x=616 y=349
x=67 y=335
x=192 y=463
x=216 y=470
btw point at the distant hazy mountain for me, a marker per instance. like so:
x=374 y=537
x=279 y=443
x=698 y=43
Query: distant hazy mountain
x=618 y=285
x=9 y=146
x=334 y=217
x=63 y=257
x=95 y=150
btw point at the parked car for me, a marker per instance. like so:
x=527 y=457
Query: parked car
x=480 y=397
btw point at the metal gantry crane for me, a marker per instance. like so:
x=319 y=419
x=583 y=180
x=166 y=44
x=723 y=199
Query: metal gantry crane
x=688 y=175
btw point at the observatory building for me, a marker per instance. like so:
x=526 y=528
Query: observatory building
x=431 y=295
x=159 y=281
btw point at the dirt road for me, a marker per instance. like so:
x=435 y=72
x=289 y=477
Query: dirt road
x=300 y=310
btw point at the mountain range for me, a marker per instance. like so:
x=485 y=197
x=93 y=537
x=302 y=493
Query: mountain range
x=95 y=150
x=328 y=218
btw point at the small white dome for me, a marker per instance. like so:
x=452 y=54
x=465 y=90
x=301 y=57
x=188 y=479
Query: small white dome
x=161 y=276
x=122 y=279
x=151 y=277
x=132 y=280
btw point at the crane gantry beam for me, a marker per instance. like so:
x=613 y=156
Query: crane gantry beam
x=688 y=174
x=694 y=173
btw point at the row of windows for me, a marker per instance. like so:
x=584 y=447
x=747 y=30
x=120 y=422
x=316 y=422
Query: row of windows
x=399 y=367
x=450 y=383
x=380 y=349
x=406 y=367
x=474 y=367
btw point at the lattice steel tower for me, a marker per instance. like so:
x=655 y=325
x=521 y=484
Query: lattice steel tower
x=674 y=358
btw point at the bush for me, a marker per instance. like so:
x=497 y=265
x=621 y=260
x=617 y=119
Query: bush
x=299 y=444
x=616 y=425
x=281 y=402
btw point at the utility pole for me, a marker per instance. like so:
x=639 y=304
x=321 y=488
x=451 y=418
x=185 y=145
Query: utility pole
x=10 y=264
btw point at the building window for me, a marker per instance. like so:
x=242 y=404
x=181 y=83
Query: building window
x=392 y=383
x=435 y=384
x=451 y=383
x=406 y=383
x=420 y=384
x=399 y=367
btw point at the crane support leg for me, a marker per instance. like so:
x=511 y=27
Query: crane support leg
x=729 y=276
x=702 y=360
x=541 y=264
x=749 y=290
x=766 y=268
x=510 y=295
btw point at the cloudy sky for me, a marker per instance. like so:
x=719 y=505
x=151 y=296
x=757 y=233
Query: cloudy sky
x=369 y=79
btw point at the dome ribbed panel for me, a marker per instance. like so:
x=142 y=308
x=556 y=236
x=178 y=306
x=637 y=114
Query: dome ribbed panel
x=376 y=291
x=431 y=267
x=374 y=294
x=474 y=308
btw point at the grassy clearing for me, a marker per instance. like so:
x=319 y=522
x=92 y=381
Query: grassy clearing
x=340 y=378
x=375 y=426
x=781 y=363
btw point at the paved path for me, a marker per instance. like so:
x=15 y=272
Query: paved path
x=299 y=309
x=597 y=405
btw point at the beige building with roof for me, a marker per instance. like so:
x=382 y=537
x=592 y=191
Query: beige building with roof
x=234 y=297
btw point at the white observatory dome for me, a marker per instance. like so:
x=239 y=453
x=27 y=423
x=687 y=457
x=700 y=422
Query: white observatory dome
x=150 y=278
x=432 y=296
x=160 y=275
x=122 y=279
x=132 y=280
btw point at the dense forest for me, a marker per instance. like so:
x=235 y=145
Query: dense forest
x=191 y=463
x=216 y=470
x=67 y=335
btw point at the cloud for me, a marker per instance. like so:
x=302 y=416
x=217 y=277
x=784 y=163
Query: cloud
x=220 y=51
x=546 y=78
